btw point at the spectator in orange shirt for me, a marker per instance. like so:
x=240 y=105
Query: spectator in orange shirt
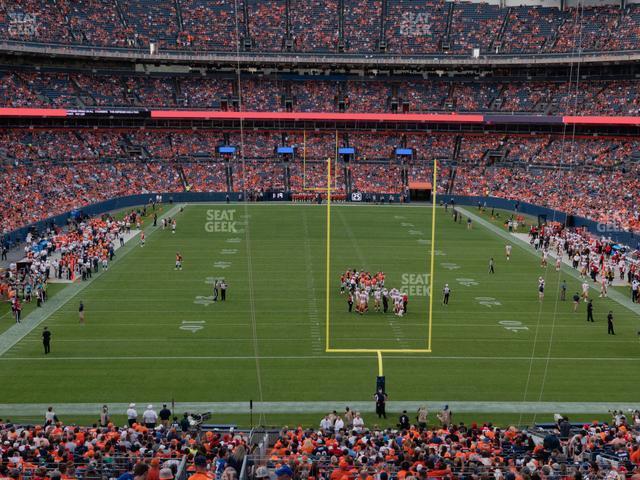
x=200 y=463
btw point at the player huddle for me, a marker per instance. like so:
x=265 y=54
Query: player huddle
x=361 y=286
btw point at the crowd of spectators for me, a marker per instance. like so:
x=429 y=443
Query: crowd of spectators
x=105 y=450
x=314 y=26
x=407 y=26
x=422 y=446
x=199 y=15
x=51 y=171
x=605 y=197
x=75 y=89
x=346 y=447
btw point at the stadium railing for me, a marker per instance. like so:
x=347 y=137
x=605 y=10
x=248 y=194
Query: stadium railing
x=181 y=472
x=297 y=58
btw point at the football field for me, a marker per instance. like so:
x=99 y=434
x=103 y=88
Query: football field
x=154 y=333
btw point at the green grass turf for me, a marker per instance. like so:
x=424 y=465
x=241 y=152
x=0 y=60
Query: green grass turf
x=267 y=341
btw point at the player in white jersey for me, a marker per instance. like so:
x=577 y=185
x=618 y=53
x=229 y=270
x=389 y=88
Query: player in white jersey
x=377 y=297
x=362 y=302
x=507 y=251
x=173 y=226
x=397 y=303
x=540 y=288
x=558 y=263
x=585 y=291
x=603 y=287
x=545 y=255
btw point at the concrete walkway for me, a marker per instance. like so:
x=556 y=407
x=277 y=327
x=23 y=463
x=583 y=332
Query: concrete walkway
x=18 y=331
x=28 y=409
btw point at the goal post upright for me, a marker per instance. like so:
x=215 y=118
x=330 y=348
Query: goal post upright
x=430 y=266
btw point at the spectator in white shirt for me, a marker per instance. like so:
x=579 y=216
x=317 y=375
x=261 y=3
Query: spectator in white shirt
x=50 y=417
x=132 y=414
x=338 y=425
x=325 y=424
x=150 y=417
x=358 y=423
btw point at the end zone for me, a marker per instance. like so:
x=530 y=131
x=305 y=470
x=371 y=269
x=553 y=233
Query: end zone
x=431 y=266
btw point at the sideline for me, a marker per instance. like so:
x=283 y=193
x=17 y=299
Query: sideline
x=612 y=293
x=17 y=332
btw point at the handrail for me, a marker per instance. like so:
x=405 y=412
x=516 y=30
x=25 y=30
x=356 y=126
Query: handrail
x=181 y=473
x=373 y=59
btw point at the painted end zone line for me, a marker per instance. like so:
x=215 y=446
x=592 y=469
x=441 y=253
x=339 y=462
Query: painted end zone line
x=378 y=351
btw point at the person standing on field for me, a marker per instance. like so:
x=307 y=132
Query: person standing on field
x=610 y=330
x=46 y=340
x=446 y=291
x=381 y=400
x=223 y=290
x=132 y=414
x=81 y=312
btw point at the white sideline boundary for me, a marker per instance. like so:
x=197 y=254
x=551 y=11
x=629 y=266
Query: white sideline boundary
x=288 y=408
x=425 y=356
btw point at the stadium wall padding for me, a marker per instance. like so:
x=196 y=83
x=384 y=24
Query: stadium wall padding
x=626 y=238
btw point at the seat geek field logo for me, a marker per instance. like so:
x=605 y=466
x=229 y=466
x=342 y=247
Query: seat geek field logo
x=221 y=221
x=415 y=284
